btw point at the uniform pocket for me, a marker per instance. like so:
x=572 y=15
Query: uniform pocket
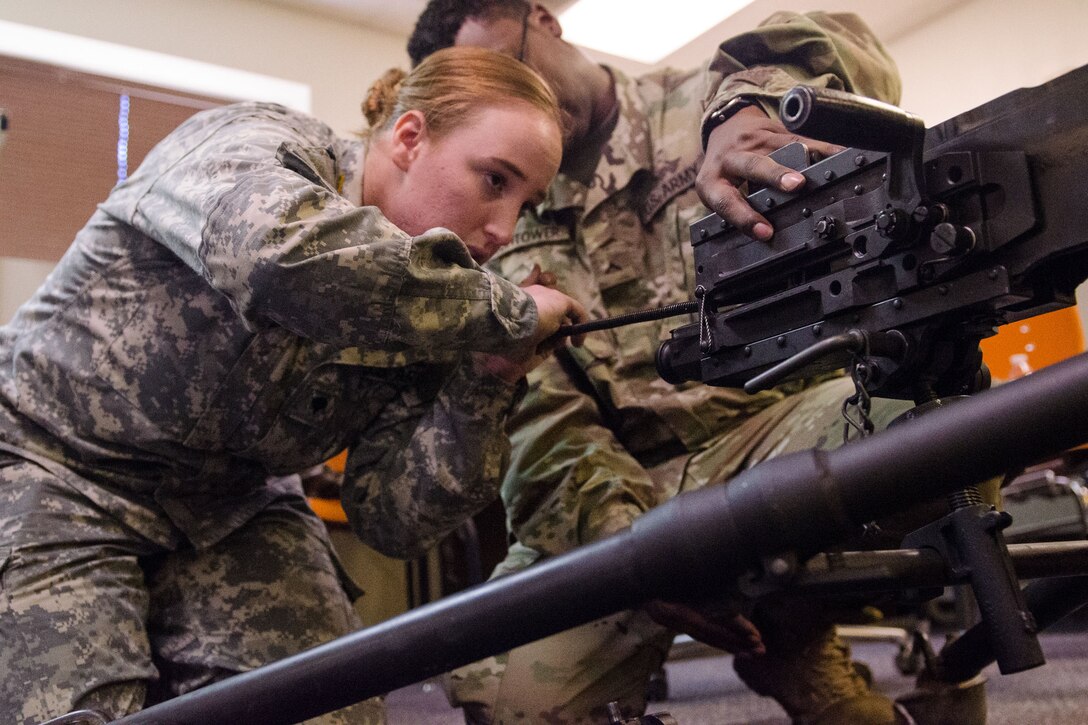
x=313 y=163
x=616 y=250
x=237 y=413
x=323 y=414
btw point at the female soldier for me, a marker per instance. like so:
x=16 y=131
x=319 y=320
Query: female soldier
x=257 y=296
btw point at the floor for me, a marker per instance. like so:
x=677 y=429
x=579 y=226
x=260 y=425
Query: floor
x=704 y=690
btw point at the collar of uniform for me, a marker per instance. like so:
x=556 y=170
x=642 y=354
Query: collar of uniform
x=349 y=155
x=565 y=192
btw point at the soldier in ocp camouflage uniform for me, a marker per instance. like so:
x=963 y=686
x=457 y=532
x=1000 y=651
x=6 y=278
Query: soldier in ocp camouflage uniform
x=600 y=438
x=230 y=312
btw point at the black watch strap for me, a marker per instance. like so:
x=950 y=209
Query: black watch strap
x=725 y=113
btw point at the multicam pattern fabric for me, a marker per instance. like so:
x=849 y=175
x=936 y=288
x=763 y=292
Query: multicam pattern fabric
x=600 y=438
x=828 y=50
x=620 y=244
x=565 y=678
x=230 y=313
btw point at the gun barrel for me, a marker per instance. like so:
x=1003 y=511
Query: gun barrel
x=850 y=120
x=693 y=545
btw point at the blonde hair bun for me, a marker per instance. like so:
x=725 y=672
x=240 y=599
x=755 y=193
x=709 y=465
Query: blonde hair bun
x=451 y=85
x=381 y=99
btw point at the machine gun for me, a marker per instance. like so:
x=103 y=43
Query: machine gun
x=896 y=259
x=898 y=256
x=903 y=257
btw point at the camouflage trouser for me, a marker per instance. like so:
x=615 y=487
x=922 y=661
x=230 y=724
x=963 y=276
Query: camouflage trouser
x=570 y=677
x=92 y=615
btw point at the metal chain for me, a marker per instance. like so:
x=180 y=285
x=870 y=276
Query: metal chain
x=860 y=372
x=705 y=342
x=860 y=401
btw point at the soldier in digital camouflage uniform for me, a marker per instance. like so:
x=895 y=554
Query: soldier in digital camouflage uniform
x=600 y=438
x=231 y=312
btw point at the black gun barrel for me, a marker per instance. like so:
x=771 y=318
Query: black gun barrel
x=696 y=544
x=850 y=120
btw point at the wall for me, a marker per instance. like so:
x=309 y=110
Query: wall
x=982 y=49
x=338 y=60
x=985 y=48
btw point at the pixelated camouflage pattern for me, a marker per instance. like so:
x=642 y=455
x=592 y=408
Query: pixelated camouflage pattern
x=620 y=244
x=227 y=314
x=78 y=590
x=600 y=438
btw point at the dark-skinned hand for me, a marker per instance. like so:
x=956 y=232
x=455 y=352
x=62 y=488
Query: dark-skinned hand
x=720 y=627
x=738 y=152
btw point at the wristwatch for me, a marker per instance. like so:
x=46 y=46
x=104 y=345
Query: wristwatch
x=725 y=113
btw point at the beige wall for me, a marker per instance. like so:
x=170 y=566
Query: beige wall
x=18 y=280
x=982 y=49
x=338 y=60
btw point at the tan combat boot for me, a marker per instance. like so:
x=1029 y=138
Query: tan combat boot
x=818 y=684
x=932 y=703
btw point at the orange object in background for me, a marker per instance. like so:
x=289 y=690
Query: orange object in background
x=1044 y=340
x=338 y=461
x=330 y=509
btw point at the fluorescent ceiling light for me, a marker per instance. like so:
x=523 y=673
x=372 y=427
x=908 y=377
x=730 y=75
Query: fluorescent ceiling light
x=643 y=30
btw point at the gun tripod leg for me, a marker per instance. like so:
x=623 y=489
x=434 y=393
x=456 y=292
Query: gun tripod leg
x=1049 y=600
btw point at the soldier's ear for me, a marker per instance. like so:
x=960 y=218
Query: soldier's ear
x=546 y=21
x=407 y=138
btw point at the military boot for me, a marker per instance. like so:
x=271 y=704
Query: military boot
x=817 y=684
x=933 y=703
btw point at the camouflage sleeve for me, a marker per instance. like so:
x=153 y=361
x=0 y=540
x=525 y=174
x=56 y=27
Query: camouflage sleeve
x=255 y=210
x=570 y=480
x=424 y=468
x=830 y=50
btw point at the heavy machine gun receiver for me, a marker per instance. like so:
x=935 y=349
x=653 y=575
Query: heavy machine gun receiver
x=900 y=253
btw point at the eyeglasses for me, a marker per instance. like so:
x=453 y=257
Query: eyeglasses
x=524 y=35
